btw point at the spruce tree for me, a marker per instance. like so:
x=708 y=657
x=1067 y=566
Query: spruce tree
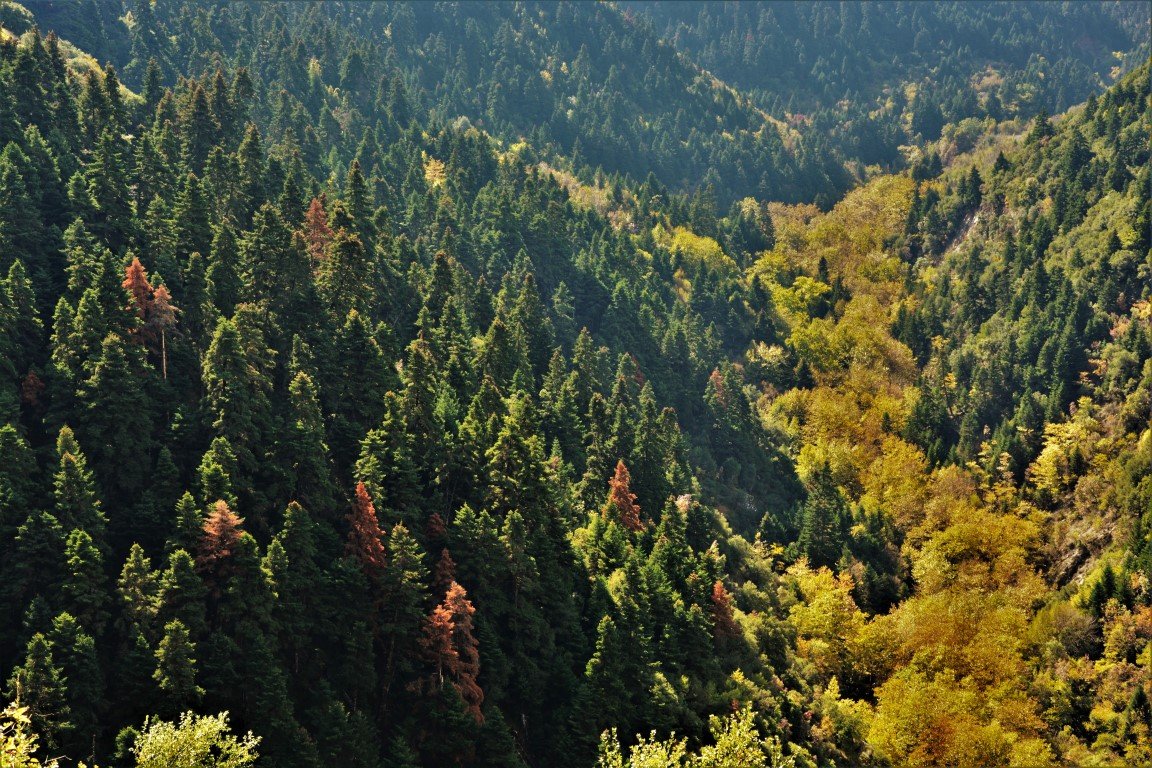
x=176 y=670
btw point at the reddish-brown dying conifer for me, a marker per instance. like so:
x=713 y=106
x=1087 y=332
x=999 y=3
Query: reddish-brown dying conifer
x=365 y=539
x=467 y=649
x=449 y=645
x=621 y=500
x=161 y=317
x=221 y=533
x=138 y=287
x=316 y=231
x=724 y=624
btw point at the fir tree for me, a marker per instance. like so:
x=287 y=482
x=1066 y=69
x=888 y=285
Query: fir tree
x=176 y=669
x=621 y=505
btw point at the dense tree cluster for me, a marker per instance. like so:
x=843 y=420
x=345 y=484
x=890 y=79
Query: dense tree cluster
x=874 y=76
x=407 y=443
x=312 y=438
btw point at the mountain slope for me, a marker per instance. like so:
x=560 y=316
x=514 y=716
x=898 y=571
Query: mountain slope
x=873 y=76
x=408 y=444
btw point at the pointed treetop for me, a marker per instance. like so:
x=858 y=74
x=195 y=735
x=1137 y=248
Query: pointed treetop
x=316 y=231
x=724 y=625
x=621 y=500
x=444 y=574
x=365 y=539
x=218 y=542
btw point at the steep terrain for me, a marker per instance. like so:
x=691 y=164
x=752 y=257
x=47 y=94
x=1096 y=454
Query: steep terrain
x=873 y=76
x=339 y=393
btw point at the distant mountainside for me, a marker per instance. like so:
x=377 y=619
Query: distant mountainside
x=850 y=86
x=873 y=76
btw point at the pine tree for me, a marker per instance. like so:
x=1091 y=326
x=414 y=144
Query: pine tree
x=216 y=472
x=356 y=396
x=107 y=188
x=822 y=518
x=423 y=422
x=37 y=564
x=724 y=626
x=138 y=590
x=77 y=504
x=118 y=419
x=25 y=333
x=182 y=594
x=176 y=670
x=358 y=198
x=303 y=451
x=85 y=589
x=387 y=465
x=218 y=544
x=236 y=392
x=39 y=685
x=161 y=320
x=406 y=594
x=74 y=650
x=275 y=269
x=365 y=539
x=138 y=288
x=344 y=275
x=449 y=645
x=621 y=505
x=293 y=573
x=191 y=220
x=18 y=479
x=21 y=230
x=251 y=182
x=199 y=128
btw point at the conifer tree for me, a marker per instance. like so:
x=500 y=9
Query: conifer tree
x=450 y=646
x=181 y=594
x=118 y=419
x=176 y=669
x=37 y=558
x=303 y=449
x=107 y=189
x=218 y=543
x=316 y=231
x=293 y=573
x=138 y=288
x=358 y=198
x=406 y=594
x=74 y=650
x=85 y=589
x=724 y=626
x=822 y=519
x=387 y=465
x=236 y=391
x=39 y=685
x=356 y=395
x=365 y=539
x=621 y=505
x=77 y=503
x=344 y=275
x=138 y=590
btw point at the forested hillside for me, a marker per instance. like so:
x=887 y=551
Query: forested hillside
x=343 y=401
x=873 y=76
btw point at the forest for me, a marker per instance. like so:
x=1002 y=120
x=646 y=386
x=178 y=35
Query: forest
x=596 y=385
